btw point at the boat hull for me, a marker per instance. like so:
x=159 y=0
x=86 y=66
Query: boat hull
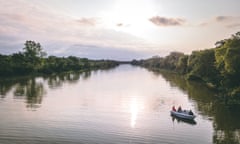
x=183 y=115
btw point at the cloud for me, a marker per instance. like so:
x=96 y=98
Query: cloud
x=58 y=32
x=236 y=25
x=163 y=21
x=120 y=24
x=225 y=21
x=229 y=21
x=87 y=21
x=224 y=18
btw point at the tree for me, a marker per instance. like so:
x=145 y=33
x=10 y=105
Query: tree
x=182 y=64
x=171 y=61
x=228 y=61
x=5 y=65
x=33 y=49
x=201 y=65
x=33 y=54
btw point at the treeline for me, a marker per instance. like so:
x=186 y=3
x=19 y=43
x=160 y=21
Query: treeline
x=218 y=67
x=33 y=60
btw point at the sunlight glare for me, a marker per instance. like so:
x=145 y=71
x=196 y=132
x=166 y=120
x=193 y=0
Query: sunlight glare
x=135 y=108
x=134 y=112
x=130 y=16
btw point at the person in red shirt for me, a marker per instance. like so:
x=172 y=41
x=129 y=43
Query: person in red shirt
x=173 y=108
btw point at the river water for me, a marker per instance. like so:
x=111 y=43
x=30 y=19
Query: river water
x=126 y=104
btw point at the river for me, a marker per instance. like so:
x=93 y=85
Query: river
x=126 y=104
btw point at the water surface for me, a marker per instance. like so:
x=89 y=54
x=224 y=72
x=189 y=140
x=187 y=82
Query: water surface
x=123 y=105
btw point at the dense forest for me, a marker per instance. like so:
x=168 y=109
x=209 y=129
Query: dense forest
x=218 y=67
x=33 y=60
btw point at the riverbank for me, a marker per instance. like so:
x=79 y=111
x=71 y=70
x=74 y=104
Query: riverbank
x=34 y=61
x=217 y=67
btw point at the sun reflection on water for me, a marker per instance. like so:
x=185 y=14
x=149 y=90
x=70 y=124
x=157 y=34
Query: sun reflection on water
x=134 y=112
x=135 y=108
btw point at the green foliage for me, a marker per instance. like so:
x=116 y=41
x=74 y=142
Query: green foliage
x=182 y=64
x=201 y=66
x=32 y=60
x=4 y=65
x=20 y=64
x=218 y=67
x=33 y=54
x=228 y=61
x=170 y=62
x=33 y=49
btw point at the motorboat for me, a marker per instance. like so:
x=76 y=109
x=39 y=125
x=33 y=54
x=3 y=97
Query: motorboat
x=183 y=114
x=182 y=120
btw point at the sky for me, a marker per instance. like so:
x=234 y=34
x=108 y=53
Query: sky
x=116 y=29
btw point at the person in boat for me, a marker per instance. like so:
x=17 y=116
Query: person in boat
x=173 y=108
x=190 y=112
x=179 y=109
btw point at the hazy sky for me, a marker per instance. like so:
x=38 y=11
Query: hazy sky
x=116 y=29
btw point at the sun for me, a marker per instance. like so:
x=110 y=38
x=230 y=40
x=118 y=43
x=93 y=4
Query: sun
x=130 y=16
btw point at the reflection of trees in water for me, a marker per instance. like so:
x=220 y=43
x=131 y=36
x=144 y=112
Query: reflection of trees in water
x=5 y=87
x=86 y=75
x=56 y=81
x=24 y=88
x=227 y=126
x=30 y=89
x=33 y=91
x=226 y=137
x=225 y=117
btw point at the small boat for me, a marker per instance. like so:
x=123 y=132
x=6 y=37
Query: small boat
x=179 y=120
x=183 y=114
